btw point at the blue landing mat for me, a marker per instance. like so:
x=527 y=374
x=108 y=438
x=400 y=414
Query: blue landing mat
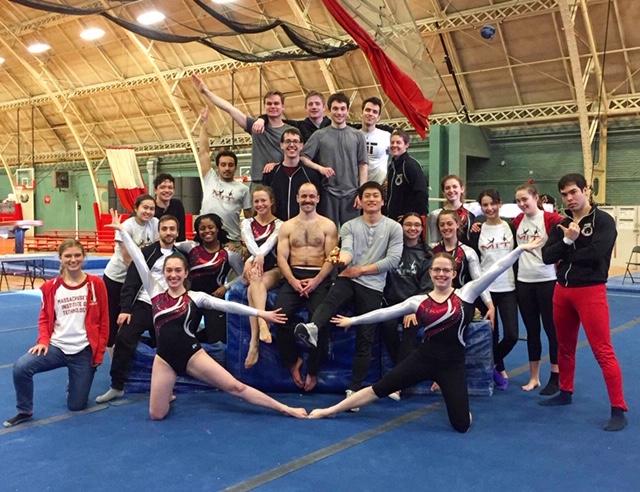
x=51 y=263
x=615 y=284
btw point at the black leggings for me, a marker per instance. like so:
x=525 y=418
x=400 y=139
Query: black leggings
x=506 y=304
x=451 y=376
x=399 y=344
x=535 y=301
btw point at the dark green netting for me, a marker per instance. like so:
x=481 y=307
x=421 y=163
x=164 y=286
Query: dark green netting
x=311 y=49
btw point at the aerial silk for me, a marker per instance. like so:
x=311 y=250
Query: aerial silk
x=401 y=89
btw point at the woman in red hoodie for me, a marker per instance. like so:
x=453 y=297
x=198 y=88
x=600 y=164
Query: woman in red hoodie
x=72 y=331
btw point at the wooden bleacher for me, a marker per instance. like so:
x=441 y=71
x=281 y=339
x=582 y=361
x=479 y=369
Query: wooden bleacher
x=51 y=239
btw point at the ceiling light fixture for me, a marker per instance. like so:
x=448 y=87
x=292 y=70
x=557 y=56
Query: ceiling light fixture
x=38 y=48
x=91 y=34
x=1 y=60
x=151 y=17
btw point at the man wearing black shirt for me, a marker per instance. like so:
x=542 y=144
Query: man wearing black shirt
x=164 y=186
x=286 y=178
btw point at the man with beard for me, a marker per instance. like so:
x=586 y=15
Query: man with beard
x=304 y=244
x=222 y=195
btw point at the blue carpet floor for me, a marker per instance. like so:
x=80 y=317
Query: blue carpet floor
x=212 y=441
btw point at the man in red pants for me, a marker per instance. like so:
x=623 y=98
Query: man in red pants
x=581 y=245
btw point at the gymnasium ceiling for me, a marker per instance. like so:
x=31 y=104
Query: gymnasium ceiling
x=80 y=96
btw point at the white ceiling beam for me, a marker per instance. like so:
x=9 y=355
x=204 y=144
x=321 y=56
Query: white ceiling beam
x=560 y=112
x=623 y=41
x=578 y=87
x=303 y=19
x=146 y=50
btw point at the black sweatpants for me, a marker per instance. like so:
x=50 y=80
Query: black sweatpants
x=215 y=326
x=346 y=290
x=113 y=296
x=399 y=344
x=506 y=304
x=127 y=341
x=290 y=302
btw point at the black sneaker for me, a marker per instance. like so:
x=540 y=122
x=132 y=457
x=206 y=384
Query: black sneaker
x=18 y=419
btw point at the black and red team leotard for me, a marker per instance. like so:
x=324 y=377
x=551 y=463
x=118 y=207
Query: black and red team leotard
x=440 y=356
x=175 y=319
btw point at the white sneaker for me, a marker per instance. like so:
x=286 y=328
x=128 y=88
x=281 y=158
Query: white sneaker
x=111 y=394
x=395 y=396
x=349 y=393
x=307 y=333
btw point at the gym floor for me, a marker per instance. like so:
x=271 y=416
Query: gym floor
x=211 y=441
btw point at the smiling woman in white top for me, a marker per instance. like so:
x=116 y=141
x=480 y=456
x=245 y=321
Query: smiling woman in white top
x=72 y=333
x=493 y=240
x=142 y=226
x=535 y=285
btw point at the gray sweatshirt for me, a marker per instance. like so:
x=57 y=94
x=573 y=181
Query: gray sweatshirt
x=380 y=243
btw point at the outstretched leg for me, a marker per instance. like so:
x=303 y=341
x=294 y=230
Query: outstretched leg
x=203 y=367
x=412 y=370
x=357 y=399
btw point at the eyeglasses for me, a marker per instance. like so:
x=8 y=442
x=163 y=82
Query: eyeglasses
x=289 y=142
x=438 y=271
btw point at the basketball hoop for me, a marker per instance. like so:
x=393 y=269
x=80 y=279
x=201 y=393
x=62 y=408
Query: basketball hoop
x=21 y=196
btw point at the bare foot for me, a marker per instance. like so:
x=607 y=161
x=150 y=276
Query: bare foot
x=320 y=413
x=435 y=387
x=299 y=413
x=252 y=357
x=295 y=373
x=531 y=385
x=310 y=382
x=265 y=333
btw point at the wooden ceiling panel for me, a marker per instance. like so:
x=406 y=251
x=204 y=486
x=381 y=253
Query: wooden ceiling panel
x=542 y=83
x=485 y=85
x=112 y=84
x=529 y=42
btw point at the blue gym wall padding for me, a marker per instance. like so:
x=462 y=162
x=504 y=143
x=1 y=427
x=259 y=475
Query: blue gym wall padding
x=269 y=375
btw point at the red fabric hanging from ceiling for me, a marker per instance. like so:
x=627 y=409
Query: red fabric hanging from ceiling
x=400 y=88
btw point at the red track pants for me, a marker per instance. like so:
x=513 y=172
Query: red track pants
x=572 y=305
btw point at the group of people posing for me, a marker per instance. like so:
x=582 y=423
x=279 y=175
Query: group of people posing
x=381 y=264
